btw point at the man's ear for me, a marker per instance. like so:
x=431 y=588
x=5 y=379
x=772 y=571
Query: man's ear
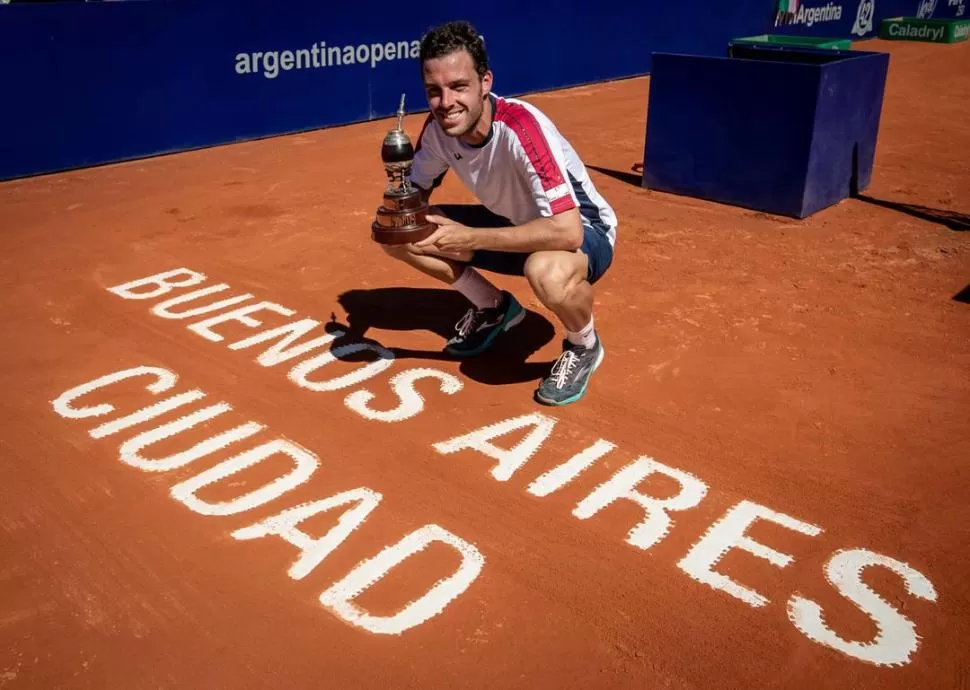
x=486 y=83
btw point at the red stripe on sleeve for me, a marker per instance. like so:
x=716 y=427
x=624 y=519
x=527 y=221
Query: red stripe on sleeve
x=563 y=203
x=536 y=146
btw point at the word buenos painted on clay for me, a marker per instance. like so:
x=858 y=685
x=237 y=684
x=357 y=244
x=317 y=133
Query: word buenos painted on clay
x=304 y=338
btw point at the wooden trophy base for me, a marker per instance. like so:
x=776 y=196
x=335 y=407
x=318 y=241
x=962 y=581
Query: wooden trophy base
x=401 y=220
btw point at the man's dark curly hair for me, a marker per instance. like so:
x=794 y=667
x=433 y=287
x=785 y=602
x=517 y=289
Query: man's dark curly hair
x=447 y=38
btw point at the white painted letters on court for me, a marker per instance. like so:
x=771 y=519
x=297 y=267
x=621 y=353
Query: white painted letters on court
x=159 y=284
x=300 y=372
x=284 y=350
x=146 y=413
x=623 y=485
x=511 y=459
x=558 y=477
x=240 y=315
x=130 y=450
x=411 y=401
x=283 y=343
x=164 y=309
x=896 y=639
x=302 y=343
x=729 y=533
x=314 y=551
x=340 y=597
x=63 y=404
x=305 y=464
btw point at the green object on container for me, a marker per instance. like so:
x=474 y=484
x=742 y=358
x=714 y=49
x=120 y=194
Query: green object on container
x=798 y=41
x=925 y=30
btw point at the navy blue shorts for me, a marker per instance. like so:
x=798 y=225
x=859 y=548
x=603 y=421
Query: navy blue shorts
x=596 y=245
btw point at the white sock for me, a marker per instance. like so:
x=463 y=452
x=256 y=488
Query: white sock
x=477 y=289
x=585 y=337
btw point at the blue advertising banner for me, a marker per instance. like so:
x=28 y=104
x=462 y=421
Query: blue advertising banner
x=86 y=83
x=89 y=83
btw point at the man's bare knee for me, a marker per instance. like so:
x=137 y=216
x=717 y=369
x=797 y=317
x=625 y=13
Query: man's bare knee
x=552 y=275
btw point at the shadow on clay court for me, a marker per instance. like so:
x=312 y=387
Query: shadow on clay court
x=960 y=222
x=438 y=310
x=963 y=295
x=635 y=178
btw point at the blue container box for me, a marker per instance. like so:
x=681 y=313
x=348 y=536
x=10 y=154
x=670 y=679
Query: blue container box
x=782 y=130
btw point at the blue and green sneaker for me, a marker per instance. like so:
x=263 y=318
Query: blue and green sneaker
x=479 y=328
x=570 y=374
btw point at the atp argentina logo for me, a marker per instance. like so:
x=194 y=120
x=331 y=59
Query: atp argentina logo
x=864 y=17
x=926 y=9
x=795 y=12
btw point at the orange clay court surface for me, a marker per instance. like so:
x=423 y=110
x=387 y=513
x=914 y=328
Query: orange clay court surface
x=767 y=484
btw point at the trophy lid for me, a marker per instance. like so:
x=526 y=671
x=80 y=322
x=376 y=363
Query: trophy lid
x=397 y=146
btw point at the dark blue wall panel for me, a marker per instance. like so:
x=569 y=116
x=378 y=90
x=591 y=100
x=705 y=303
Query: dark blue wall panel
x=96 y=82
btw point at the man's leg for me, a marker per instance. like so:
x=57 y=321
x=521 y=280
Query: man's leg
x=493 y=311
x=559 y=281
x=563 y=283
x=452 y=269
x=449 y=268
x=445 y=269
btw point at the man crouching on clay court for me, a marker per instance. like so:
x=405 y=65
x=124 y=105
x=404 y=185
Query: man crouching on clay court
x=541 y=217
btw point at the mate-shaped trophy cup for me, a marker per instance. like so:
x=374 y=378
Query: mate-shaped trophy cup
x=401 y=219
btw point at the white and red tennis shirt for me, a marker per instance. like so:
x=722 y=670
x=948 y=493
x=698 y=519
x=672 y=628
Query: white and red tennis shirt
x=523 y=170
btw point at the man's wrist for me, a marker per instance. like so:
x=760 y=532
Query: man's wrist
x=479 y=238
